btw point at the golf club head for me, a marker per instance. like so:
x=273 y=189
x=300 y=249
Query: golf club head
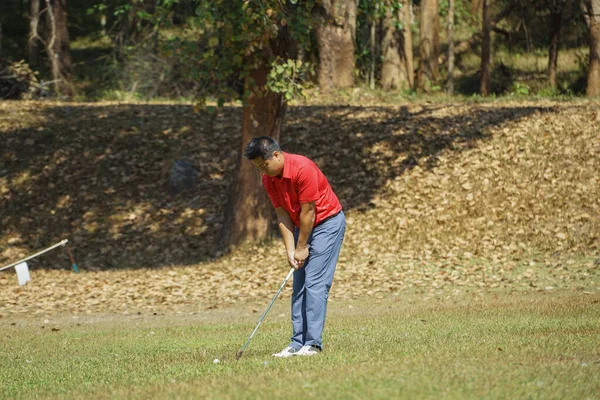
x=239 y=354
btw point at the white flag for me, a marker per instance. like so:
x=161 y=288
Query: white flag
x=22 y=273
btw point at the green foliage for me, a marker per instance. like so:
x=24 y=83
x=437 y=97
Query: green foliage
x=549 y=92
x=216 y=43
x=286 y=77
x=462 y=12
x=519 y=89
x=96 y=8
x=235 y=38
x=376 y=9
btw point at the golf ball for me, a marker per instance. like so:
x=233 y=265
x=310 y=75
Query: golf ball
x=216 y=361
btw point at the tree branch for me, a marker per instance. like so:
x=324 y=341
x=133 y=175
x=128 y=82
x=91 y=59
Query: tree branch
x=34 y=35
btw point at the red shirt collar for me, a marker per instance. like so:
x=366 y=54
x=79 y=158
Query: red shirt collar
x=287 y=167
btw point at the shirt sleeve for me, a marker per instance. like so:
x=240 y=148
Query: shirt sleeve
x=270 y=192
x=308 y=184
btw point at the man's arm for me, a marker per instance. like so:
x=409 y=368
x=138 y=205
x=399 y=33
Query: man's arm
x=286 y=227
x=307 y=222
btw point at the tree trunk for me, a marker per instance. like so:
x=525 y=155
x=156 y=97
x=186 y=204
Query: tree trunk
x=484 y=84
x=249 y=212
x=396 y=73
x=33 y=49
x=57 y=47
x=336 y=35
x=555 y=25
x=407 y=18
x=451 y=47
x=591 y=10
x=373 y=55
x=429 y=47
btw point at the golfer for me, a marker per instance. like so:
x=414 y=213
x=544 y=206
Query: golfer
x=312 y=225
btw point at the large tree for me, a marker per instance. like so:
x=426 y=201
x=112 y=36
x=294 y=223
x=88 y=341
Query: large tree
x=249 y=212
x=255 y=44
x=591 y=9
x=396 y=47
x=336 y=37
x=429 y=45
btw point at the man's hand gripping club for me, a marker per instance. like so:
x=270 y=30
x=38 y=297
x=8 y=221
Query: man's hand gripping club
x=297 y=254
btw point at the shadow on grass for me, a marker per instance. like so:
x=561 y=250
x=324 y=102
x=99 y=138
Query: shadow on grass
x=98 y=174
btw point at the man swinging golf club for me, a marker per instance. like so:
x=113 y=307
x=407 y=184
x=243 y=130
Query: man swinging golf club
x=312 y=225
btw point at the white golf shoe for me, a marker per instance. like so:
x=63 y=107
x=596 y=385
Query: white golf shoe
x=308 y=351
x=287 y=352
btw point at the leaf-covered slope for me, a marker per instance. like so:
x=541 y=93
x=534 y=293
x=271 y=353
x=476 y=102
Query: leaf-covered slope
x=436 y=195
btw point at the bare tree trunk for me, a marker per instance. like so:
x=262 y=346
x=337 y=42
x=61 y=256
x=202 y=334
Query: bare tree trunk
x=57 y=46
x=336 y=35
x=451 y=47
x=395 y=70
x=33 y=50
x=591 y=10
x=555 y=25
x=429 y=46
x=484 y=85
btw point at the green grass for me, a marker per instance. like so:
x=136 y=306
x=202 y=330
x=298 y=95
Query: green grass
x=507 y=345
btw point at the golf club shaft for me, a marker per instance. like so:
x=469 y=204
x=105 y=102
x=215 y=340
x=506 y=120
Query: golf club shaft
x=289 y=275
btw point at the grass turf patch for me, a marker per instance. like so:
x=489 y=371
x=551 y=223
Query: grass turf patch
x=529 y=345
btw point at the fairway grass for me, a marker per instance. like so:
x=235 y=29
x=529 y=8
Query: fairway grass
x=496 y=345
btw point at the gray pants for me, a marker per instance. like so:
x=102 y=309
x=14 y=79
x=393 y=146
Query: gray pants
x=313 y=281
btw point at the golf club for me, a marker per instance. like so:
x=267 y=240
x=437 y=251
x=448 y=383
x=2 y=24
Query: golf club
x=239 y=354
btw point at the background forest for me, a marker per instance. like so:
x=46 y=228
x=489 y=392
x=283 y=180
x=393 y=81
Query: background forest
x=195 y=50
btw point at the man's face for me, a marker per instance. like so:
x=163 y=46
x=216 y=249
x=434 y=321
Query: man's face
x=272 y=167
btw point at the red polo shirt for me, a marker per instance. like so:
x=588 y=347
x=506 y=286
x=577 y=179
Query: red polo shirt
x=301 y=182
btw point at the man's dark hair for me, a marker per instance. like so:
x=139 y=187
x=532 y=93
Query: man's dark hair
x=262 y=146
